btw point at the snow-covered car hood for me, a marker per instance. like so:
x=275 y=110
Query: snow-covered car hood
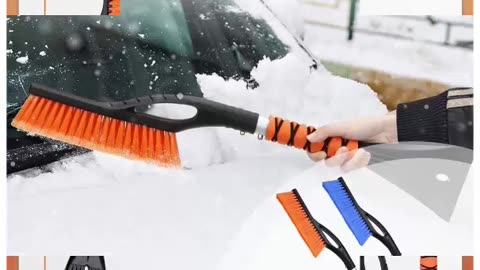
x=106 y=203
x=102 y=204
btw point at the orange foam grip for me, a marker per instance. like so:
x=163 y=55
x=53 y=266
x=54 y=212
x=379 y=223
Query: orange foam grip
x=294 y=134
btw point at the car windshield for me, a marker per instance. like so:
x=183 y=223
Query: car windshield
x=156 y=46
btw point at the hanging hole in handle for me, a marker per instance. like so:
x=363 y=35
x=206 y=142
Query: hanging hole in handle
x=377 y=228
x=171 y=111
x=330 y=240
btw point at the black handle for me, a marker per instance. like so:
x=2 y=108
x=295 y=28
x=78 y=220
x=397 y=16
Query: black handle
x=386 y=238
x=209 y=113
x=381 y=259
x=105 y=7
x=362 y=263
x=80 y=263
x=340 y=251
x=383 y=263
x=362 y=144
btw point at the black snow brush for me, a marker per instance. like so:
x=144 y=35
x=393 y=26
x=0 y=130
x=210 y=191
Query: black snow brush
x=86 y=263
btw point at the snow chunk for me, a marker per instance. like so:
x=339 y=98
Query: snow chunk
x=23 y=59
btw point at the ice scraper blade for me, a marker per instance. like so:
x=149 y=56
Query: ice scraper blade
x=434 y=174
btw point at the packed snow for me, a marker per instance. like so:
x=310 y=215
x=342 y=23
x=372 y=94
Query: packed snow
x=23 y=59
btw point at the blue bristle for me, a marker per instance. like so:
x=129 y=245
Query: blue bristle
x=349 y=211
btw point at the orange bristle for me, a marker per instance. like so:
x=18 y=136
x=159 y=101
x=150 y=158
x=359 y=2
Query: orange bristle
x=300 y=219
x=114 y=7
x=83 y=128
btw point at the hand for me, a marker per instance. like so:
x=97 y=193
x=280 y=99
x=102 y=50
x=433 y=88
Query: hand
x=377 y=129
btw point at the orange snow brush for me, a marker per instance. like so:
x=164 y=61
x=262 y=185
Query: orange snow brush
x=312 y=232
x=117 y=127
x=111 y=7
x=428 y=263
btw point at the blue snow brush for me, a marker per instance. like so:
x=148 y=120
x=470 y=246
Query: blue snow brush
x=358 y=220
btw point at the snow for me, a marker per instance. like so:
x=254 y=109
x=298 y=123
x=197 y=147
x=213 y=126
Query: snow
x=310 y=101
x=223 y=208
x=290 y=13
x=452 y=66
x=326 y=37
x=22 y=60
x=103 y=197
x=220 y=212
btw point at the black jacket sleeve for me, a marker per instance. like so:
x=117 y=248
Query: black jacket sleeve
x=446 y=118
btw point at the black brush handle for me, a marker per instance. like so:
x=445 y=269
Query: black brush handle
x=105 y=7
x=381 y=259
x=385 y=237
x=339 y=249
x=86 y=262
x=383 y=263
x=209 y=113
x=362 y=262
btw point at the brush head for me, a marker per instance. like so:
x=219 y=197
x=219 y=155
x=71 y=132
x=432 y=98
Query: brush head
x=349 y=209
x=114 y=7
x=78 y=126
x=302 y=219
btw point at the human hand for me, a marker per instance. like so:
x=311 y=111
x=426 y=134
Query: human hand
x=376 y=129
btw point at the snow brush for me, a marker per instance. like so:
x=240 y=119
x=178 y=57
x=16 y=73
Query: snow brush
x=381 y=259
x=111 y=7
x=116 y=127
x=86 y=263
x=312 y=232
x=358 y=220
x=428 y=262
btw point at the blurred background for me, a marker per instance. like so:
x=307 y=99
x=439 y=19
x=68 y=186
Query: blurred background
x=402 y=58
